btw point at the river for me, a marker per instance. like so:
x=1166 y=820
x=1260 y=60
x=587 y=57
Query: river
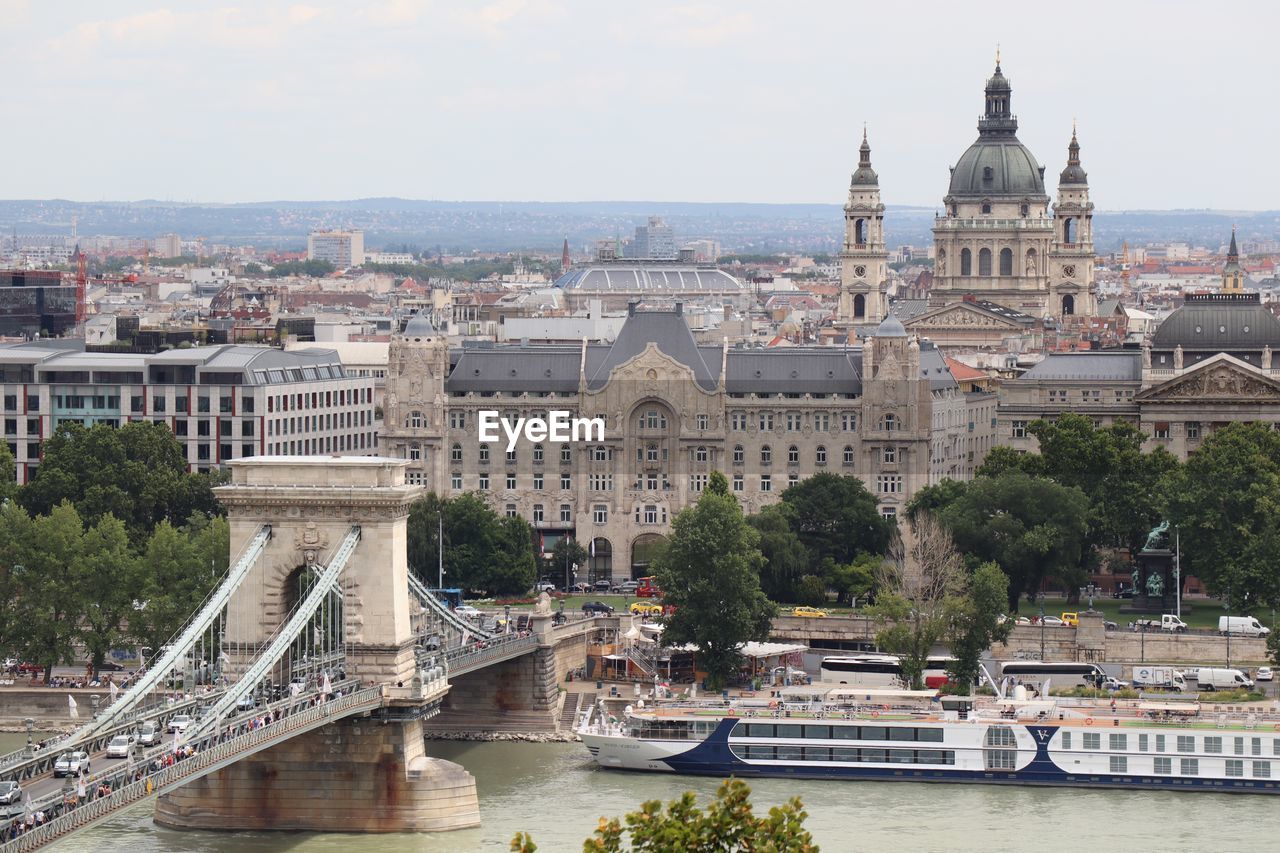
x=554 y=792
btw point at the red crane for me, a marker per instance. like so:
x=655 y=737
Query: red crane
x=81 y=278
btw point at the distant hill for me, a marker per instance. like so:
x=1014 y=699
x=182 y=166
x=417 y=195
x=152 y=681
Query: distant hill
x=531 y=225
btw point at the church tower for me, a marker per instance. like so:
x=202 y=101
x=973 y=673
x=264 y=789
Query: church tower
x=413 y=419
x=897 y=416
x=1072 y=288
x=1233 y=273
x=864 y=263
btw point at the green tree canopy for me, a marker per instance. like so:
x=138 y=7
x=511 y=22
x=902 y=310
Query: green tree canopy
x=836 y=517
x=137 y=472
x=976 y=621
x=785 y=559
x=710 y=572
x=728 y=825
x=53 y=591
x=567 y=552
x=110 y=578
x=1031 y=527
x=1225 y=502
x=483 y=551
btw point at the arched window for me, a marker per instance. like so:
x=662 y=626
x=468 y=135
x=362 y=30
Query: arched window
x=793 y=455
x=966 y=262
x=414 y=421
x=537 y=453
x=984 y=262
x=859 y=306
x=820 y=456
x=1068 y=230
x=860 y=231
x=455 y=453
x=1068 y=305
x=986 y=207
x=889 y=422
x=766 y=455
x=738 y=454
x=1006 y=262
x=848 y=454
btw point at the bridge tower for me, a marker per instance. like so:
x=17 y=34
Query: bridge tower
x=388 y=783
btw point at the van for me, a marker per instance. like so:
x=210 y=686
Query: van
x=1241 y=626
x=1213 y=678
x=149 y=734
x=1071 y=619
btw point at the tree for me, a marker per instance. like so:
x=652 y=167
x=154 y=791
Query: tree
x=514 y=568
x=729 y=825
x=917 y=585
x=1225 y=502
x=710 y=572
x=8 y=474
x=785 y=558
x=836 y=517
x=567 y=552
x=854 y=580
x=483 y=552
x=423 y=537
x=16 y=536
x=174 y=585
x=1031 y=527
x=110 y=582
x=977 y=621
x=137 y=472
x=936 y=497
x=53 y=593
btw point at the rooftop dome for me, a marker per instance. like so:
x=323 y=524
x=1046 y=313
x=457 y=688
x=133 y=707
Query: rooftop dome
x=419 y=326
x=865 y=176
x=997 y=164
x=1073 y=174
x=891 y=327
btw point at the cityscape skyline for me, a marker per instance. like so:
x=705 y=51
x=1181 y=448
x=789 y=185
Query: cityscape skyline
x=685 y=104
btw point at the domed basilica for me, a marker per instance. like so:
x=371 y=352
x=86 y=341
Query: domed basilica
x=1003 y=255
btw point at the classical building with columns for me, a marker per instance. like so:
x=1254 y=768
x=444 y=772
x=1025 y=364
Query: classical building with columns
x=888 y=412
x=1210 y=363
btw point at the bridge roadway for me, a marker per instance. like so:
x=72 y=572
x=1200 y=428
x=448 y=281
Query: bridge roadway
x=133 y=782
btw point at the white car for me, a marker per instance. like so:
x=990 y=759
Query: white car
x=180 y=722
x=1263 y=674
x=71 y=763
x=149 y=734
x=466 y=611
x=120 y=746
x=1054 y=622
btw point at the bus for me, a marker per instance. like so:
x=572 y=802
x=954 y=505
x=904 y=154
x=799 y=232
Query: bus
x=879 y=671
x=1060 y=674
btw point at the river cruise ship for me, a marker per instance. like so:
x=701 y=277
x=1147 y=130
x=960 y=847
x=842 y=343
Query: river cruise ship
x=827 y=731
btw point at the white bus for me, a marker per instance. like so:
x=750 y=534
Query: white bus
x=1059 y=674
x=878 y=671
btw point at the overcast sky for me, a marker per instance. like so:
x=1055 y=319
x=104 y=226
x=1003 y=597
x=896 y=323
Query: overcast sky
x=555 y=100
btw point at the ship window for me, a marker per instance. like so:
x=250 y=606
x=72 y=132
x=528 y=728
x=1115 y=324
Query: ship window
x=1092 y=740
x=758 y=729
x=817 y=753
x=902 y=756
x=1256 y=746
x=1066 y=740
x=1239 y=745
x=788 y=753
x=935 y=756
x=1275 y=746
x=1211 y=744
x=817 y=732
x=1000 y=736
x=1159 y=743
x=931 y=735
x=1163 y=766
x=1143 y=744
x=902 y=734
x=1262 y=769
x=789 y=731
x=1000 y=759
x=844 y=753
x=760 y=752
x=1120 y=742
x=1119 y=764
x=1235 y=767
x=1190 y=766
x=844 y=732
x=873 y=756
x=1186 y=743
x=874 y=733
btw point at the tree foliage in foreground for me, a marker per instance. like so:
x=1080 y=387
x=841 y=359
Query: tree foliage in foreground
x=710 y=572
x=483 y=551
x=728 y=825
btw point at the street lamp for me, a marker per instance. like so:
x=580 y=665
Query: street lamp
x=1089 y=591
x=31 y=724
x=1226 y=605
x=1042 y=627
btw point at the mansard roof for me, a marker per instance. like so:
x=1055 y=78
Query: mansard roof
x=666 y=330
x=1122 y=366
x=1219 y=321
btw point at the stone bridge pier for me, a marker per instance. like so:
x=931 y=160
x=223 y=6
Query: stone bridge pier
x=365 y=774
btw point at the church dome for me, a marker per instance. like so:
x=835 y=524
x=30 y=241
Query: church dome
x=891 y=327
x=997 y=164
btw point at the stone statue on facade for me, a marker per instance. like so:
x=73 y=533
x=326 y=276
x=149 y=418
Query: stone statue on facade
x=1155 y=585
x=1158 y=538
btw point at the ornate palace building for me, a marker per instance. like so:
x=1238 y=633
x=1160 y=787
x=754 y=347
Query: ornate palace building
x=889 y=412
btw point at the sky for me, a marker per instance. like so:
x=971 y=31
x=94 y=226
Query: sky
x=552 y=100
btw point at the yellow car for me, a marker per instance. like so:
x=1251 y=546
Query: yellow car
x=641 y=608
x=1072 y=620
x=810 y=612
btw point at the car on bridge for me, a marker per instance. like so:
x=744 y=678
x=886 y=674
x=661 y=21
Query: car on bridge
x=180 y=722
x=10 y=792
x=120 y=746
x=809 y=612
x=71 y=763
x=640 y=608
x=246 y=702
x=466 y=611
x=597 y=608
x=149 y=734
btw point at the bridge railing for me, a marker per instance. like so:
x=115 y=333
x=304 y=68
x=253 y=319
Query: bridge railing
x=466 y=658
x=214 y=753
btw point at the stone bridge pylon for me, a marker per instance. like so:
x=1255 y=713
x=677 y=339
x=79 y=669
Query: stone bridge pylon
x=376 y=764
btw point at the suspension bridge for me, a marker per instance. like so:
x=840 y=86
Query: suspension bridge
x=315 y=662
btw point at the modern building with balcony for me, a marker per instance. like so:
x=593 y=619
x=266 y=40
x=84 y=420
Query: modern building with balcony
x=221 y=402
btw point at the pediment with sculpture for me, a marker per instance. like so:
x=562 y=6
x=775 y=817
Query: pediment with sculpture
x=1218 y=380
x=960 y=316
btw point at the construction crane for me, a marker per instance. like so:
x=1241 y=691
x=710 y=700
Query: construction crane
x=81 y=278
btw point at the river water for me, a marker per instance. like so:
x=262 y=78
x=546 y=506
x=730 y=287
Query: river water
x=554 y=792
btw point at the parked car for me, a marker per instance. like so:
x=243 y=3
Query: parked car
x=466 y=611
x=627 y=587
x=641 y=608
x=1054 y=622
x=1242 y=626
x=810 y=612
x=597 y=608
x=149 y=734
x=109 y=665
x=602 y=586
x=1108 y=625
x=71 y=763
x=544 y=586
x=180 y=722
x=10 y=792
x=120 y=746
x=1022 y=620
x=1263 y=674
x=1071 y=619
